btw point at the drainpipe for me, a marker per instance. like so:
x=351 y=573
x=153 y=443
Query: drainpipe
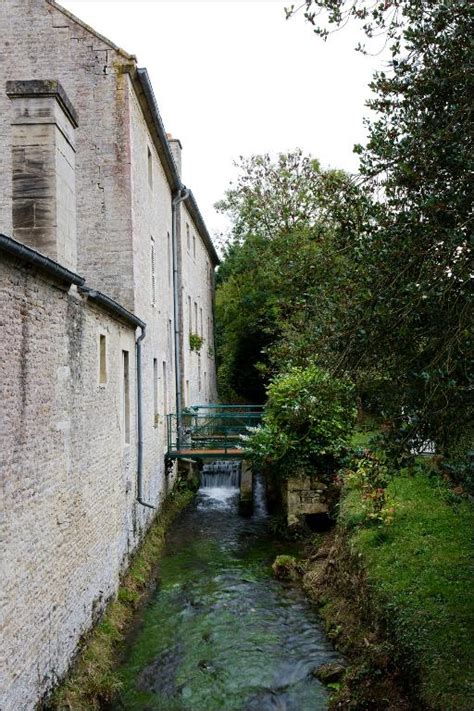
x=138 y=350
x=181 y=195
x=118 y=310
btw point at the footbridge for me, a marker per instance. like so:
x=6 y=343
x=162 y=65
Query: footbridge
x=210 y=432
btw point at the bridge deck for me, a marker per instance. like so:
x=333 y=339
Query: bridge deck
x=211 y=431
x=206 y=453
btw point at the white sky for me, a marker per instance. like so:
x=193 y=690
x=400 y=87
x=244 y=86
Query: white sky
x=233 y=77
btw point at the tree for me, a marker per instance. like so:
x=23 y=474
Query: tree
x=293 y=227
x=411 y=317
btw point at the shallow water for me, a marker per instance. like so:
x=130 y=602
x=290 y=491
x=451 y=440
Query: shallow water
x=220 y=633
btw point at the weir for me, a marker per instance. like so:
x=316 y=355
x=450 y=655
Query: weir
x=215 y=434
x=221 y=475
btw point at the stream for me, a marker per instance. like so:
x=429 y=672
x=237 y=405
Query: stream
x=220 y=632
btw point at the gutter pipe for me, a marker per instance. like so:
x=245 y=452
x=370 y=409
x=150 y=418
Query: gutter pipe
x=169 y=165
x=65 y=276
x=115 y=308
x=180 y=195
x=138 y=350
x=45 y=264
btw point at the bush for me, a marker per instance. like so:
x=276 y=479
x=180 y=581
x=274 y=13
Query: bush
x=195 y=342
x=369 y=475
x=307 y=422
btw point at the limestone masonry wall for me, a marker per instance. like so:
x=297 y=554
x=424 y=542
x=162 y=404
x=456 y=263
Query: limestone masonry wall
x=40 y=42
x=70 y=517
x=94 y=195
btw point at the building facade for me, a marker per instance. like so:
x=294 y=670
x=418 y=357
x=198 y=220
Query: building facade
x=106 y=268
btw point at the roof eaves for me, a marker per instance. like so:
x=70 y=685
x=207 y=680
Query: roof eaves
x=111 y=306
x=145 y=90
x=44 y=264
x=198 y=220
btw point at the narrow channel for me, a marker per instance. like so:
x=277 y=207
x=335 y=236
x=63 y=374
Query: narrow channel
x=220 y=633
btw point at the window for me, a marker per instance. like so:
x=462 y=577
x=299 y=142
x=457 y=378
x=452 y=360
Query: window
x=188 y=238
x=165 y=389
x=126 y=397
x=190 y=312
x=199 y=372
x=150 y=167
x=155 y=393
x=200 y=322
x=195 y=317
x=153 y=273
x=194 y=246
x=205 y=382
x=187 y=393
x=170 y=260
x=170 y=339
x=102 y=359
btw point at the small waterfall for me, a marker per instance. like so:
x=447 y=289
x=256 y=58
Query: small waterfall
x=220 y=475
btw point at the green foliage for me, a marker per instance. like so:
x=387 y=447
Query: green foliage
x=306 y=424
x=195 y=342
x=286 y=567
x=420 y=572
x=371 y=281
x=410 y=315
x=369 y=475
x=283 y=267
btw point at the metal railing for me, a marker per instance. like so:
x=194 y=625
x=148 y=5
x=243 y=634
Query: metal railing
x=210 y=427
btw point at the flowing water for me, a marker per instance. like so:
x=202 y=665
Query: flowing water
x=220 y=633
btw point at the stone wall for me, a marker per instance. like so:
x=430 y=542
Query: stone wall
x=39 y=41
x=68 y=477
x=152 y=264
x=304 y=496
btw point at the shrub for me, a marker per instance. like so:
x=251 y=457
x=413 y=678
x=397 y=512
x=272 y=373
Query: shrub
x=195 y=342
x=369 y=475
x=307 y=422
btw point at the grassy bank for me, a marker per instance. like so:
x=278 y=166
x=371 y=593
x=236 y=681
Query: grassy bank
x=93 y=679
x=397 y=598
x=419 y=571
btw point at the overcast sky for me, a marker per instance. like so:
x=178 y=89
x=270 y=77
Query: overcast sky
x=234 y=78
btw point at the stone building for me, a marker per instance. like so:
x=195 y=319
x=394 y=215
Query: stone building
x=106 y=268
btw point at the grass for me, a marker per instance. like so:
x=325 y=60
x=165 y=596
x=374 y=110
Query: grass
x=420 y=572
x=93 y=679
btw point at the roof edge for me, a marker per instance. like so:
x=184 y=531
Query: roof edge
x=66 y=277
x=198 y=220
x=112 y=306
x=74 y=18
x=171 y=170
x=141 y=76
x=45 y=264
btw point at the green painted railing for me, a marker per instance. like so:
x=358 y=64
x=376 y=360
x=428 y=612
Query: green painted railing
x=202 y=428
